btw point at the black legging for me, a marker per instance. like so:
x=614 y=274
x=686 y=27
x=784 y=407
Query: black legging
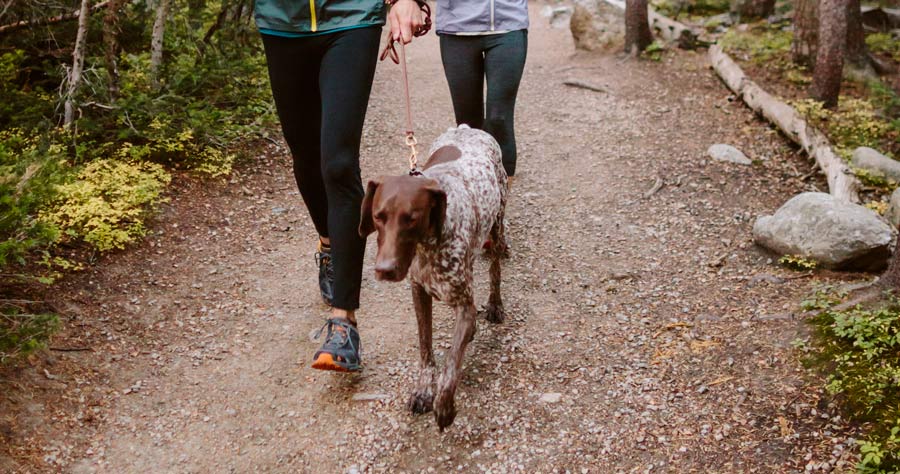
x=500 y=58
x=321 y=86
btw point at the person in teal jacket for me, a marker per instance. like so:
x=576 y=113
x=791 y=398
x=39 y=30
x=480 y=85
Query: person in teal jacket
x=321 y=57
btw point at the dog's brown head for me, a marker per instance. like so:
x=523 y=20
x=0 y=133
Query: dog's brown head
x=404 y=210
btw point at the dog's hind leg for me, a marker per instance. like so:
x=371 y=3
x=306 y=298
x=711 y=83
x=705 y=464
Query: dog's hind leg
x=444 y=407
x=422 y=397
x=494 y=311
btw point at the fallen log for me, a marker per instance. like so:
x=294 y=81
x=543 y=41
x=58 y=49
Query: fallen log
x=842 y=183
x=49 y=20
x=667 y=28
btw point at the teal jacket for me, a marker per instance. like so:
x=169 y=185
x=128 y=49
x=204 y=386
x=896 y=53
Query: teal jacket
x=304 y=17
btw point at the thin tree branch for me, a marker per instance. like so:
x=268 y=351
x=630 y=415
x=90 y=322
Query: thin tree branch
x=45 y=21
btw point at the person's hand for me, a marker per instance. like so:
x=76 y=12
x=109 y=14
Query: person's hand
x=405 y=19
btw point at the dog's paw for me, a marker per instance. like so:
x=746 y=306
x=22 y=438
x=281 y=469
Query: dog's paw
x=420 y=402
x=494 y=313
x=444 y=411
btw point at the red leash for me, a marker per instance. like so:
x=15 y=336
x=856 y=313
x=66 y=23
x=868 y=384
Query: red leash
x=390 y=50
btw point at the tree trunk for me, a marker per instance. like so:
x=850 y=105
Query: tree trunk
x=826 y=86
x=806 y=32
x=111 y=46
x=156 y=41
x=890 y=279
x=637 y=27
x=752 y=9
x=74 y=78
x=857 y=52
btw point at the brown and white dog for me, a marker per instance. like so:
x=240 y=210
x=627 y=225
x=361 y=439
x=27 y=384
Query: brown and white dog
x=431 y=227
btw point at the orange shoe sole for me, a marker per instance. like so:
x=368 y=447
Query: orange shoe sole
x=326 y=362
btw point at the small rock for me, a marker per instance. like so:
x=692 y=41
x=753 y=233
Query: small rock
x=870 y=159
x=834 y=233
x=551 y=397
x=722 y=152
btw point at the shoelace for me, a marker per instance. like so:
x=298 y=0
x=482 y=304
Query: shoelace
x=344 y=333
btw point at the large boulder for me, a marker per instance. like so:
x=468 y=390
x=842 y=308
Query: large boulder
x=870 y=159
x=834 y=233
x=596 y=25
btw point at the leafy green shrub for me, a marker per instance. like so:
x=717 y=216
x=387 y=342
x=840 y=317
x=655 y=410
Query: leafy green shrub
x=884 y=43
x=21 y=105
x=29 y=172
x=760 y=44
x=106 y=204
x=22 y=333
x=859 y=350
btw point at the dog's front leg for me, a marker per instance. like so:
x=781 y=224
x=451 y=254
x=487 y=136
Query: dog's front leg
x=422 y=397
x=444 y=409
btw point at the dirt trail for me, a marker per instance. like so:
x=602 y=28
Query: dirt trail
x=664 y=332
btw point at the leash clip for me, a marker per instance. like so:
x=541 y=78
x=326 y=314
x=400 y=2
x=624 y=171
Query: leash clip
x=413 y=154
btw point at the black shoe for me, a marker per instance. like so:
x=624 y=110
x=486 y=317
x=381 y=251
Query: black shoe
x=340 y=351
x=326 y=273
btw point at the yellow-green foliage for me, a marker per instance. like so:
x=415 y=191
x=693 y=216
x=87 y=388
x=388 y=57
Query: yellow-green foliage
x=760 y=43
x=214 y=162
x=797 y=75
x=875 y=179
x=852 y=125
x=170 y=143
x=884 y=43
x=106 y=204
x=796 y=262
x=878 y=206
x=654 y=51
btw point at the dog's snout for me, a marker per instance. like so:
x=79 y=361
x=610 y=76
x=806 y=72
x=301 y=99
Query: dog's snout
x=386 y=270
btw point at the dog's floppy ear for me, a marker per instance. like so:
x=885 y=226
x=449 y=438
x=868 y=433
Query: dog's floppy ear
x=366 y=224
x=438 y=209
